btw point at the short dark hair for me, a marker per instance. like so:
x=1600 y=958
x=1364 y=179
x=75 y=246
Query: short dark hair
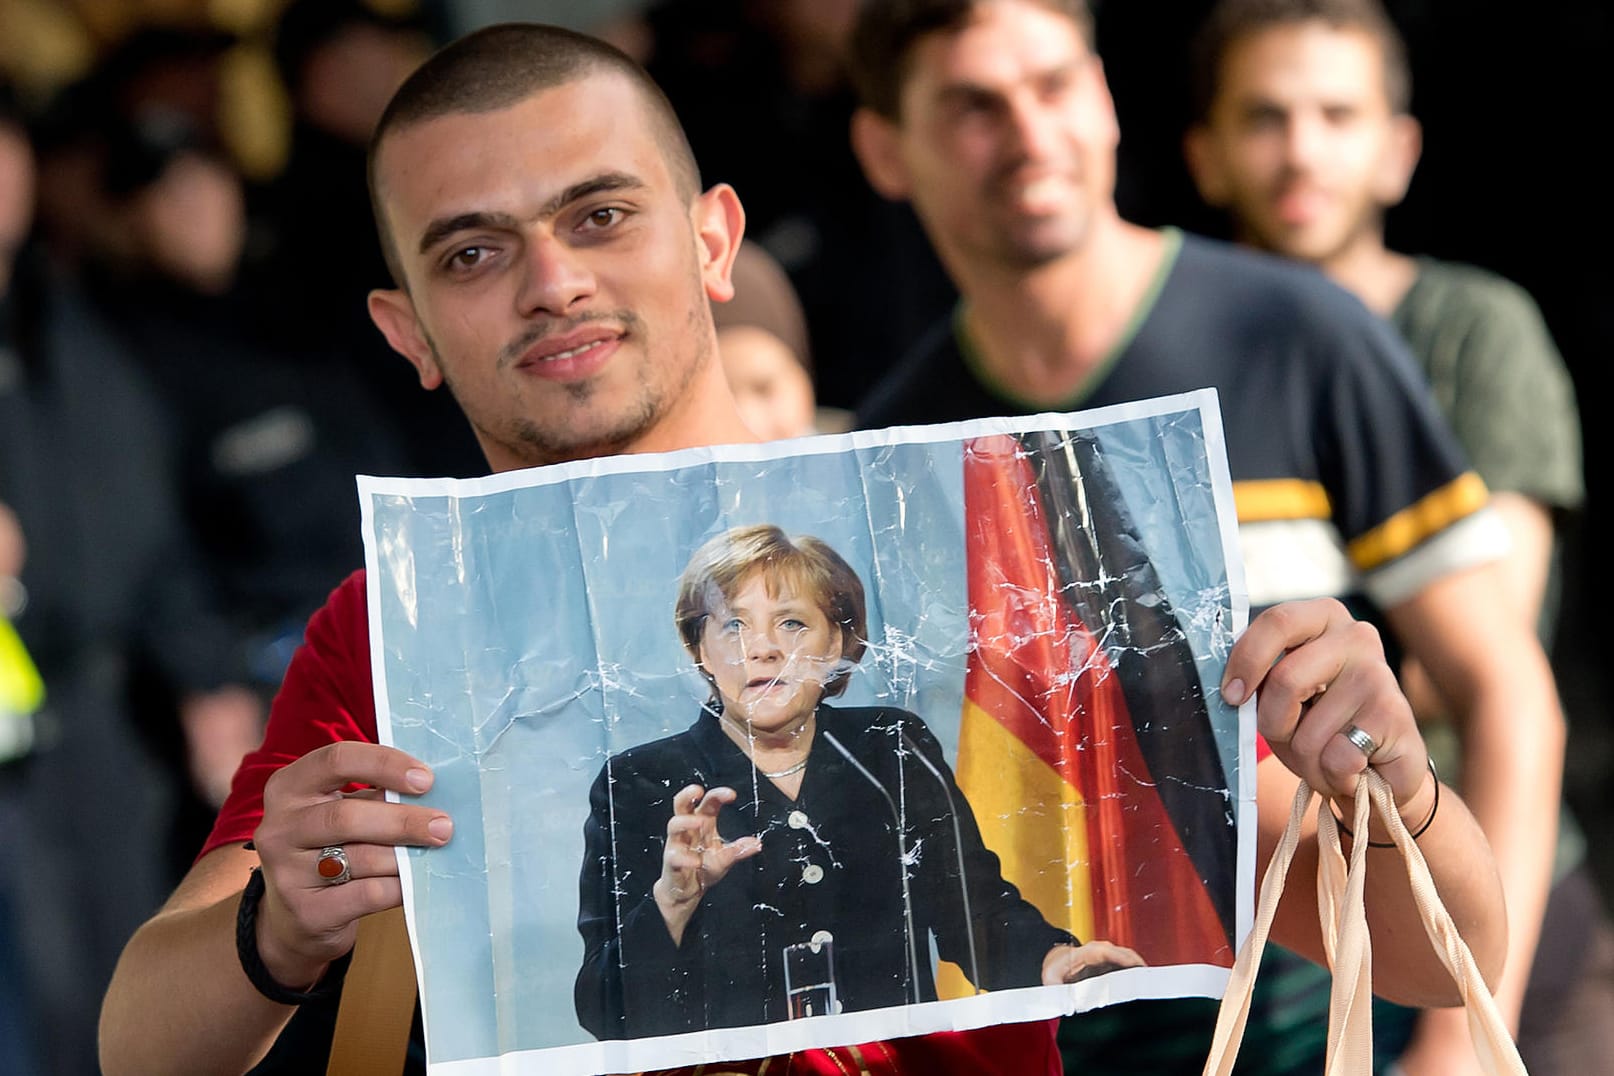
x=1233 y=20
x=720 y=568
x=501 y=65
x=885 y=32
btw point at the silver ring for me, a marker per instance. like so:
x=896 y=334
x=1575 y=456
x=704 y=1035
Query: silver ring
x=1361 y=740
x=332 y=866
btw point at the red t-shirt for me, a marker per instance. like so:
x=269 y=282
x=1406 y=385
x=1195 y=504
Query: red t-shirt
x=328 y=696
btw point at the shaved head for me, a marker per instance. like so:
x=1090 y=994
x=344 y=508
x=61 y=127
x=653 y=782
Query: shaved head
x=499 y=66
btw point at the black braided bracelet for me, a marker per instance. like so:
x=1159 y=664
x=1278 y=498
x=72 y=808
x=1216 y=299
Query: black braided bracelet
x=1415 y=834
x=246 y=948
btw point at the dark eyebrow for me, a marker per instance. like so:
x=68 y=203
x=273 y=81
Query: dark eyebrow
x=440 y=229
x=961 y=93
x=965 y=91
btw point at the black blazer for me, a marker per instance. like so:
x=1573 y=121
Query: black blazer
x=830 y=861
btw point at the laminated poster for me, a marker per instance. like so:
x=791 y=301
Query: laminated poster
x=759 y=748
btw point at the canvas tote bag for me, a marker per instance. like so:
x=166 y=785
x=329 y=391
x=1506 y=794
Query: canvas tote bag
x=1346 y=942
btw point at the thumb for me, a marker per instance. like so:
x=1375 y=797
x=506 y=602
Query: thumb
x=734 y=851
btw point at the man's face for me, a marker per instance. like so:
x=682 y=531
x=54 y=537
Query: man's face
x=557 y=279
x=1007 y=137
x=16 y=199
x=1301 y=145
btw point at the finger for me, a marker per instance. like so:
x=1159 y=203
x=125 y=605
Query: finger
x=1309 y=696
x=350 y=819
x=333 y=767
x=330 y=913
x=682 y=859
x=686 y=799
x=722 y=858
x=687 y=829
x=1369 y=697
x=1401 y=757
x=1071 y=963
x=1271 y=635
x=1118 y=955
x=363 y=861
x=714 y=801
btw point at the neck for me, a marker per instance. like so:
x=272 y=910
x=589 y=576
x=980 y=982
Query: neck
x=704 y=414
x=770 y=750
x=1041 y=334
x=1376 y=274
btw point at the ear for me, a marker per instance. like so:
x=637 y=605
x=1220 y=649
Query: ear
x=394 y=314
x=1204 y=164
x=719 y=226
x=877 y=144
x=1401 y=153
x=1101 y=90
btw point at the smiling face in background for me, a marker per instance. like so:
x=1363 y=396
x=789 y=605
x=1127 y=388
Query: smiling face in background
x=769 y=650
x=1006 y=137
x=1301 y=144
x=557 y=276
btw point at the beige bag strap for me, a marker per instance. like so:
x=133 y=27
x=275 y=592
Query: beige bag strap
x=378 y=1000
x=1347 y=944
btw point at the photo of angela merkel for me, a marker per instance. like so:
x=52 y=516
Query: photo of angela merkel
x=784 y=857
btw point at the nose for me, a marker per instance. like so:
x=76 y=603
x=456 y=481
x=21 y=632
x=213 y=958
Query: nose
x=763 y=645
x=1302 y=141
x=555 y=277
x=1035 y=127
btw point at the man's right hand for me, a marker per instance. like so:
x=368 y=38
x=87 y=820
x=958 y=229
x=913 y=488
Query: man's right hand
x=696 y=857
x=306 y=922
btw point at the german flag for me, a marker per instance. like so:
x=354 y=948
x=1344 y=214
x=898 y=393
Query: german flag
x=1085 y=748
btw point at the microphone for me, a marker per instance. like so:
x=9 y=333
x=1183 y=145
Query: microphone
x=958 y=851
x=902 y=851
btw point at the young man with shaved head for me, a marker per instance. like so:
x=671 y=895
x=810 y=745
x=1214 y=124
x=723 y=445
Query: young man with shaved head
x=555 y=258
x=994 y=119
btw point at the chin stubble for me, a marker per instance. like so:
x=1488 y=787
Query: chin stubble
x=650 y=401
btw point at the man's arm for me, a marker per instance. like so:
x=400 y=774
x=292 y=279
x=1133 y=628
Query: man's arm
x=1442 y=1040
x=178 y=996
x=1483 y=657
x=179 y=1001
x=1316 y=671
x=1524 y=573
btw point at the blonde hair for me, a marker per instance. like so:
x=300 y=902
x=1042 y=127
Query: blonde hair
x=719 y=568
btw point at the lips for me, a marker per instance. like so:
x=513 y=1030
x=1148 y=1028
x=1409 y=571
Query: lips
x=1036 y=190
x=570 y=357
x=1299 y=205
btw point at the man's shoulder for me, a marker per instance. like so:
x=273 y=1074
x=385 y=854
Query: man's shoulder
x=1249 y=314
x=347 y=605
x=1445 y=290
x=1218 y=271
x=336 y=641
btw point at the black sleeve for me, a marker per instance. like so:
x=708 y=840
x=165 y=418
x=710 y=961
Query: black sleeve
x=634 y=981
